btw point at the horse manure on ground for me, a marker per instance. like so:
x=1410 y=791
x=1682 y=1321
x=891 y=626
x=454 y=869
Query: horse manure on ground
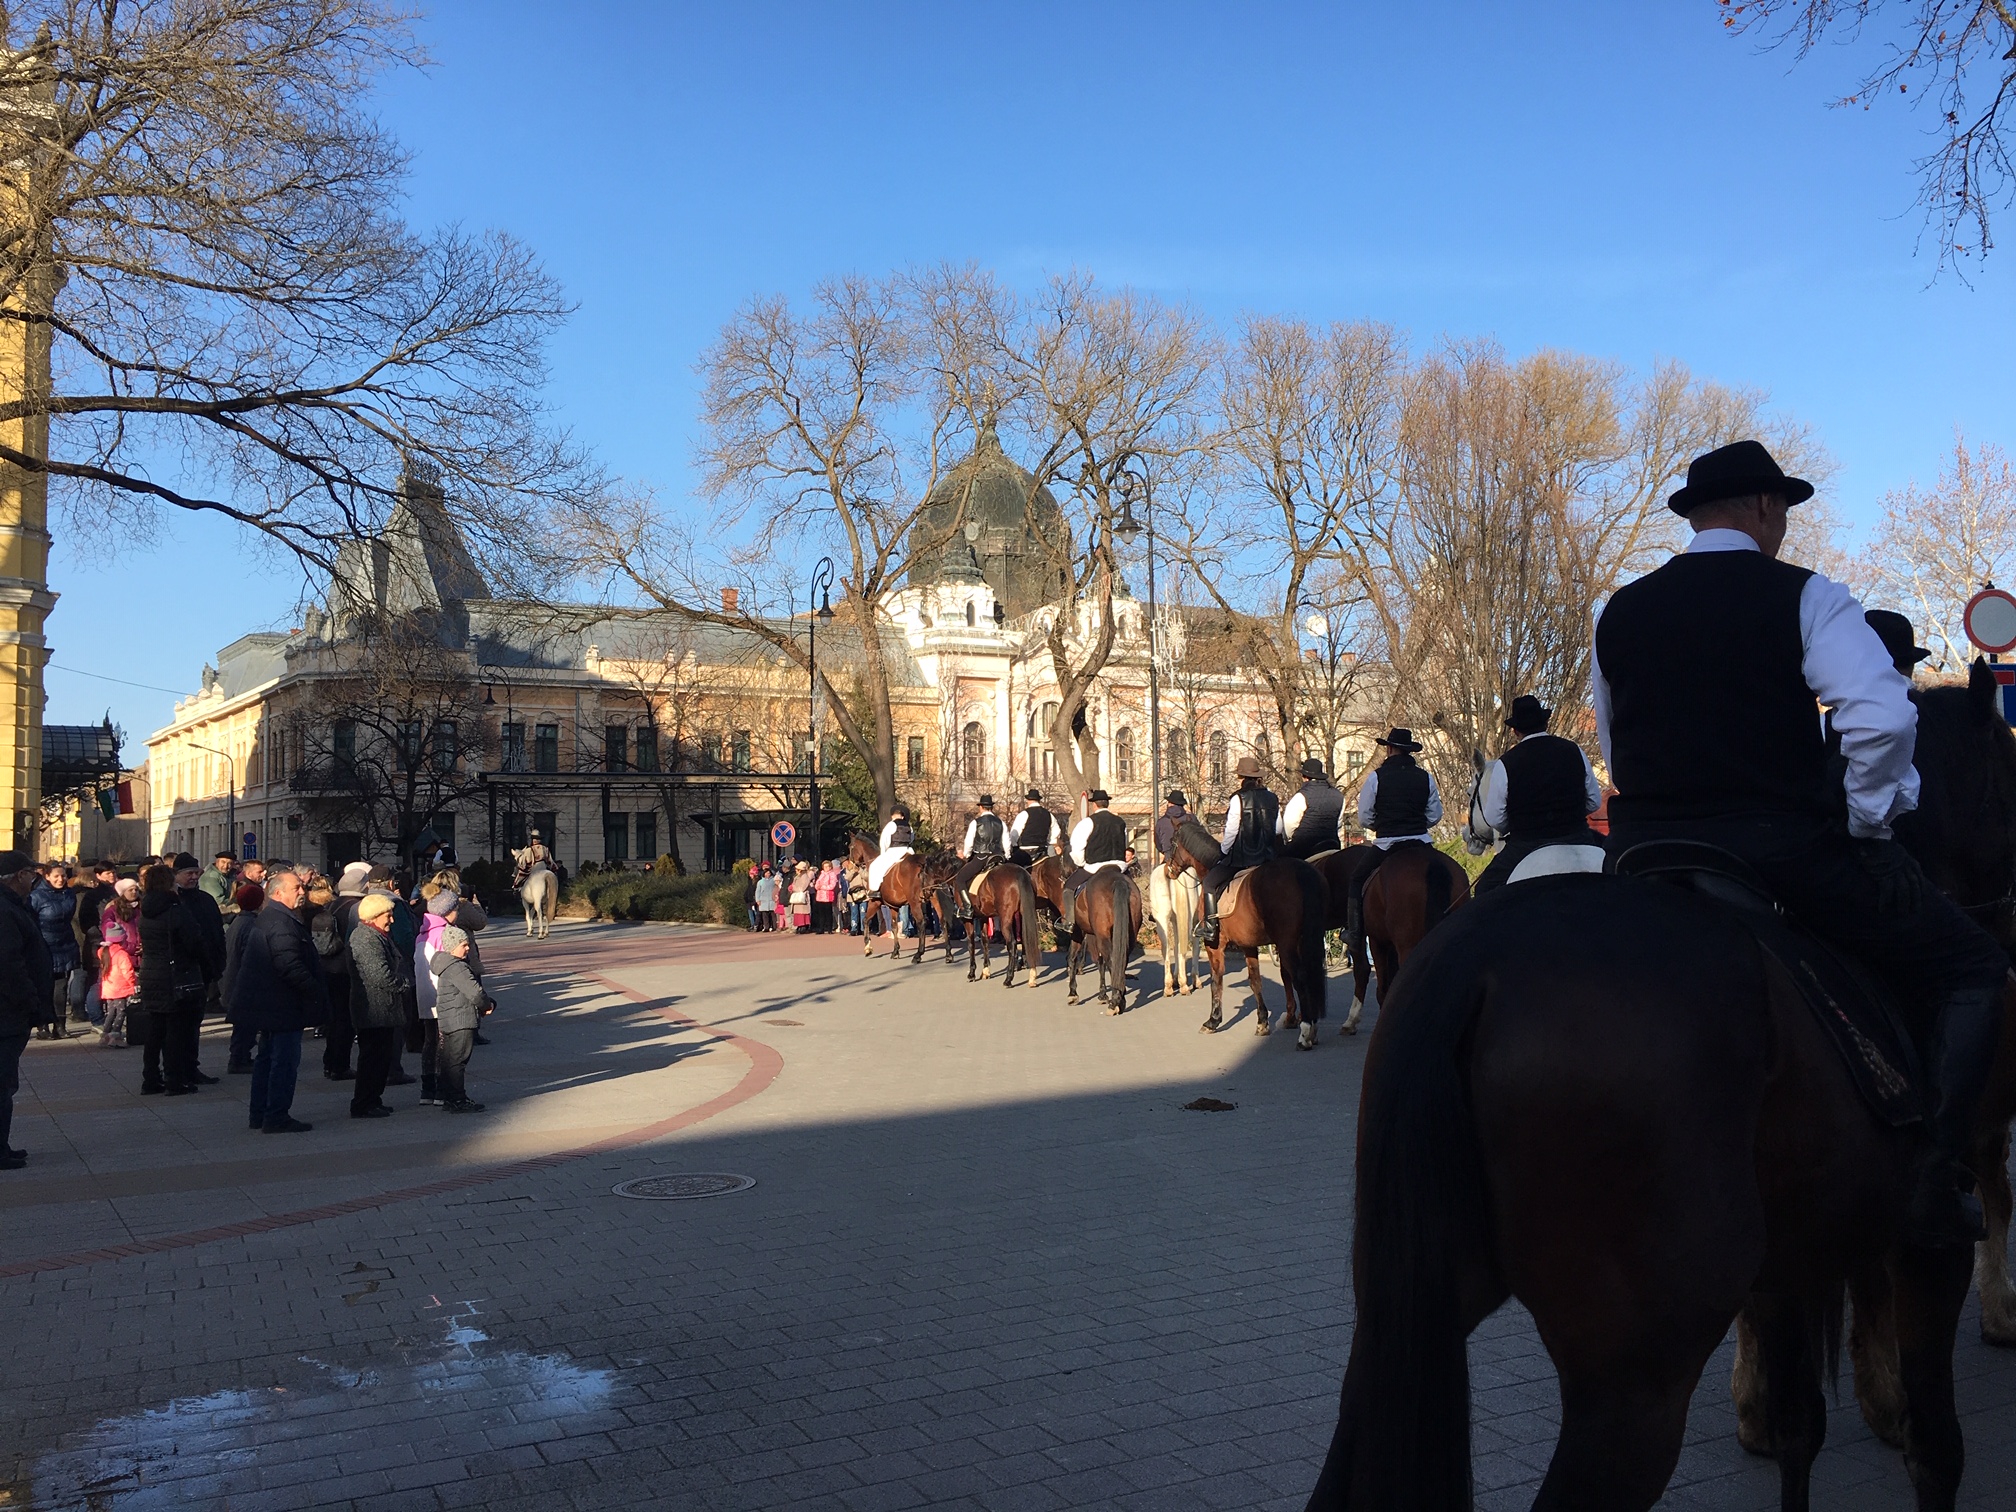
x=1208 y=1105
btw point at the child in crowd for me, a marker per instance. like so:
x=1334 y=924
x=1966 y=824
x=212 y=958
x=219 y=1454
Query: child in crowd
x=459 y=1006
x=118 y=960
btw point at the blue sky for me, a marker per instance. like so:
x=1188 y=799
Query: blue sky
x=1618 y=177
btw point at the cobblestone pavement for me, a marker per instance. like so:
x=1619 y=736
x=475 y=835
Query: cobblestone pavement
x=989 y=1262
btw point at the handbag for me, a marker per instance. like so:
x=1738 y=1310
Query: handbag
x=190 y=988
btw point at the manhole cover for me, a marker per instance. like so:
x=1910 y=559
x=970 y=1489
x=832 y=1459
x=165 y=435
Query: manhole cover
x=676 y=1188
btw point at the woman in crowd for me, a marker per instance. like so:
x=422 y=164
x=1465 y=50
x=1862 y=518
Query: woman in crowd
x=765 y=918
x=171 y=983
x=380 y=984
x=824 y=887
x=54 y=906
x=118 y=961
x=459 y=1006
x=439 y=898
x=857 y=897
x=801 y=899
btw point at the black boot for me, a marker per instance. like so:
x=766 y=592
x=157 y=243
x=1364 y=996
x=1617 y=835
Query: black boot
x=1210 y=922
x=1943 y=1209
x=1070 y=911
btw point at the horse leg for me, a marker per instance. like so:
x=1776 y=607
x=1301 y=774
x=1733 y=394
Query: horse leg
x=972 y=953
x=1071 y=969
x=1361 y=978
x=1991 y=1256
x=1787 y=1333
x=1928 y=1288
x=1872 y=1355
x=1260 y=1024
x=1215 y=959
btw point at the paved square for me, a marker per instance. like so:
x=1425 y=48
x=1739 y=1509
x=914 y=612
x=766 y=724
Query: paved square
x=989 y=1262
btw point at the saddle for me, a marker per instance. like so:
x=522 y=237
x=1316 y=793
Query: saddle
x=973 y=887
x=1859 y=1017
x=1228 y=900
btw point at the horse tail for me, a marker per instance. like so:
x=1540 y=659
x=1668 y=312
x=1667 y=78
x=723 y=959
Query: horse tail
x=1436 y=888
x=1028 y=925
x=1312 y=976
x=1122 y=942
x=1403 y=1427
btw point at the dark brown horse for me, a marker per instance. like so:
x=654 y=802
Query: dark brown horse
x=1285 y=905
x=1005 y=896
x=1410 y=893
x=1107 y=922
x=1598 y=1095
x=909 y=883
x=1342 y=870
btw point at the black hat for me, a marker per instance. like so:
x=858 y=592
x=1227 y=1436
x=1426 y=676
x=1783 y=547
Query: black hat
x=1529 y=715
x=1732 y=471
x=1175 y=796
x=986 y=800
x=185 y=862
x=900 y=811
x=1034 y=795
x=1099 y=795
x=1898 y=638
x=1399 y=739
x=1311 y=767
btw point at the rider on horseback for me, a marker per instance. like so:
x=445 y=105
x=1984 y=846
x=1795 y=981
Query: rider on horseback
x=986 y=844
x=1174 y=812
x=1399 y=804
x=1725 y=637
x=1311 y=821
x=534 y=854
x=1251 y=817
x=1029 y=836
x=1098 y=843
x=895 y=843
x=1539 y=793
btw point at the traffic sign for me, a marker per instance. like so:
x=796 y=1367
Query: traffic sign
x=1990 y=620
x=251 y=852
x=783 y=834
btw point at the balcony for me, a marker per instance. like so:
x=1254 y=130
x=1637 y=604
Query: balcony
x=327 y=777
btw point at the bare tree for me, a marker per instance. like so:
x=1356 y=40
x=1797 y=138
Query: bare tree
x=201 y=229
x=1935 y=548
x=1954 y=57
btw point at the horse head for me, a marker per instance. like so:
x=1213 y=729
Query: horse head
x=860 y=849
x=1194 y=845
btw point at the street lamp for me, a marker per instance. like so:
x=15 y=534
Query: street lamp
x=822 y=584
x=1126 y=528
x=230 y=791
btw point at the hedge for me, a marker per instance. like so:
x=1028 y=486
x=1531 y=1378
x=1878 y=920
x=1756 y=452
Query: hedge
x=704 y=898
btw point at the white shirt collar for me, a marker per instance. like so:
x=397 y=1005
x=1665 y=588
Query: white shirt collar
x=1721 y=538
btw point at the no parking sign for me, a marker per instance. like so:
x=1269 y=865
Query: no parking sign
x=783 y=834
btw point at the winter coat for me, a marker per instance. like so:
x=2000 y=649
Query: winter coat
x=168 y=938
x=431 y=929
x=458 y=1001
x=120 y=939
x=217 y=888
x=91 y=901
x=379 y=984
x=25 y=972
x=54 y=908
x=209 y=921
x=234 y=952
x=279 y=987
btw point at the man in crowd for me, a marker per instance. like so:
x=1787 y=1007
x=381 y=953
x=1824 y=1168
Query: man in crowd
x=1034 y=828
x=280 y=987
x=986 y=842
x=209 y=921
x=341 y=1032
x=1098 y=843
x=1541 y=792
x=25 y=971
x=218 y=882
x=1251 y=816
x=1311 y=820
x=1174 y=811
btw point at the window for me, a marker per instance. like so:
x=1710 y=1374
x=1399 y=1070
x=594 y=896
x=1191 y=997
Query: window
x=409 y=743
x=615 y=748
x=1042 y=757
x=913 y=758
x=972 y=618
x=515 y=830
x=443 y=826
x=1181 y=753
x=801 y=747
x=1219 y=747
x=647 y=748
x=647 y=836
x=447 y=744
x=1123 y=754
x=343 y=742
x=710 y=753
x=738 y=752
x=973 y=751
x=340 y=848
x=511 y=743
x=615 y=837
x=546 y=748
x=1354 y=762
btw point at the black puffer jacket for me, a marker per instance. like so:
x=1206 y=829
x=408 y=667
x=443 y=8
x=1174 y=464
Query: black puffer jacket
x=167 y=935
x=25 y=972
x=277 y=984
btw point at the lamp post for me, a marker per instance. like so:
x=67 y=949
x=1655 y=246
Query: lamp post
x=230 y=792
x=822 y=583
x=1127 y=528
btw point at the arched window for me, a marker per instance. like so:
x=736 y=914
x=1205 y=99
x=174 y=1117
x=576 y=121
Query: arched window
x=973 y=752
x=1180 y=752
x=972 y=618
x=1123 y=754
x=1219 y=747
x=1042 y=758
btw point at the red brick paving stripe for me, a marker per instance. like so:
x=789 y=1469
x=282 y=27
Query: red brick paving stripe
x=764 y=1064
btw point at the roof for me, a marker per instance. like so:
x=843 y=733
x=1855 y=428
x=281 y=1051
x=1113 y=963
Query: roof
x=72 y=753
x=989 y=518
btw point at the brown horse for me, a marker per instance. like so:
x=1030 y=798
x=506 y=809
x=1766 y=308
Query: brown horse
x=1341 y=871
x=1599 y=1096
x=1107 y=922
x=1004 y=895
x=907 y=884
x=1284 y=905
x=1413 y=889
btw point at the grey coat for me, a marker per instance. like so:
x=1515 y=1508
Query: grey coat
x=458 y=1000
x=379 y=988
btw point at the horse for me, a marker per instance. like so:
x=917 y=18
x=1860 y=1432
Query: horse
x=1284 y=905
x=1004 y=894
x=1600 y=1096
x=1414 y=887
x=1172 y=904
x=904 y=885
x=539 y=891
x=1099 y=920
x=1341 y=871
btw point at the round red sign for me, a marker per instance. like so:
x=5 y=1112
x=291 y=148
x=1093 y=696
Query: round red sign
x=1990 y=620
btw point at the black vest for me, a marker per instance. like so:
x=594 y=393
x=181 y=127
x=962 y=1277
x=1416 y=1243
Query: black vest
x=1400 y=802
x=987 y=835
x=1258 y=811
x=1546 y=788
x=902 y=835
x=1108 y=840
x=1035 y=829
x=1317 y=830
x=1710 y=714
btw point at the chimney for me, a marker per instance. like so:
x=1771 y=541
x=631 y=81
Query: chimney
x=729 y=597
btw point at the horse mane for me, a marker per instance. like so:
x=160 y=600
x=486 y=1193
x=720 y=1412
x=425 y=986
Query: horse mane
x=1961 y=729
x=1199 y=842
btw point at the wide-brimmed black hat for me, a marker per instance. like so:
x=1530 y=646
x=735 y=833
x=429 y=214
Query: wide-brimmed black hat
x=986 y=800
x=1732 y=471
x=1898 y=638
x=1312 y=767
x=1175 y=796
x=1099 y=795
x=1529 y=715
x=1399 y=739
x=1034 y=795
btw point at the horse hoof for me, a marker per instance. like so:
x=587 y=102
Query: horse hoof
x=1347 y=1031
x=1210 y=1026
x=1112 y=1012
x=1306 y=1040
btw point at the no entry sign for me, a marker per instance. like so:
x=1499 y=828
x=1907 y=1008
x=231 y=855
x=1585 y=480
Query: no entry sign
x=1991 y=620
x=783 y=834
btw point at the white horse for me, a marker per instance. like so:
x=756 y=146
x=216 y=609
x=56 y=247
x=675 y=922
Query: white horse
x=540 y=892
x=1172 y=903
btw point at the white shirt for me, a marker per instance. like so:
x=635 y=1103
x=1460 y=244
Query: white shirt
x=1368 y=795
x=889 y=835
x=1080 y=833
x=972 y=831
x=1291 y=817
x=1492 y=797
x=1845 y=665
x=1021 y=820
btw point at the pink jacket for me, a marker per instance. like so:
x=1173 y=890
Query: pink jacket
x=121 y=976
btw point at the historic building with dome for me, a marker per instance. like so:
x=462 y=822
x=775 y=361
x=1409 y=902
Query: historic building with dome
x=624 y=738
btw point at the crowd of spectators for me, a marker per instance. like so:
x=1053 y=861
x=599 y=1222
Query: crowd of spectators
x=800 y=898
